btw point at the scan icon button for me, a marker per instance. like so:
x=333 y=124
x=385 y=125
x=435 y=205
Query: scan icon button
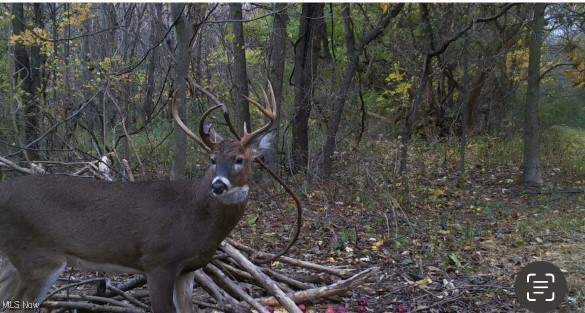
x=540 y=287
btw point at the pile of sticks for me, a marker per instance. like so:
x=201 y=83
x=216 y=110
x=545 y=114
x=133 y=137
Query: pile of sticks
x=230 y=283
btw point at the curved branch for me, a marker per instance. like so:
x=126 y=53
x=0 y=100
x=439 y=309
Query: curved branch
x=468 y=27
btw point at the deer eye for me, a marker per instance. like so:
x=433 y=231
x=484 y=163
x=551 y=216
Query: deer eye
x=239 y=160
x=212 y=160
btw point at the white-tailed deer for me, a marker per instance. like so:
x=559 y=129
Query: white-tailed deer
x=165 y=229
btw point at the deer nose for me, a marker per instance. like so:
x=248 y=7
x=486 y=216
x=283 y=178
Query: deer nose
x=218 y=187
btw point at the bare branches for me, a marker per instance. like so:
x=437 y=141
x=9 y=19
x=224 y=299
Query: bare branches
x=462 y=32
x=224 y=282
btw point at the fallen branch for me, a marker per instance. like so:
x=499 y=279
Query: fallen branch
x=88 y=306
x=264 y=280
x=337 y=288
x=224 y=300
x=235 y=288
x=127 y=297
x=64 y=296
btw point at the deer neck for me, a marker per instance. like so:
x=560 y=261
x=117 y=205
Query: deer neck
x=224 y=212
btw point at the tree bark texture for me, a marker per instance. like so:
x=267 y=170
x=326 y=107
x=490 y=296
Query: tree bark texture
x=532 y=167
x=240 y=76
x=183 y=37
x=28 y=76
x=277 y=58
x=306 y=57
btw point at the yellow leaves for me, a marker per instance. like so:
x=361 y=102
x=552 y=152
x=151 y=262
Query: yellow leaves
x=399 y=86
x=577 y=73
x=38 y=37
x=517 y=62
x=386 y=7
x=79 y=14
x=378 y=245
x=425 y=282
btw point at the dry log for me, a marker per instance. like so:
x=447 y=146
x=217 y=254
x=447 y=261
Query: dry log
x=235 y=288
x=88 y=306
x=129 y=284
x=337 y=288
x=262 y=278
x=127 y=297
x=245 y=275
x=63 y=296
x=224 y=300
x=287 y=280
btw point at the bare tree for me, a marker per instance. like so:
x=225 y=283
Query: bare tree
x=532 y=167
x=306 y=56
x=28 y=77
x=276 y=63
x=346 y=84
x=240 y=76
x=182 y=67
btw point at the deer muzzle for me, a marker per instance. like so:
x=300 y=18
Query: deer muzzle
x=220 y=185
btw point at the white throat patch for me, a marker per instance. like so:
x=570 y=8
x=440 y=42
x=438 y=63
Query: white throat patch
x=235 y=195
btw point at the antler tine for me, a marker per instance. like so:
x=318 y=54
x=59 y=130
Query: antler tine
x=224 y=109
x=179 y=121
x=270 y=111
x=202 y=133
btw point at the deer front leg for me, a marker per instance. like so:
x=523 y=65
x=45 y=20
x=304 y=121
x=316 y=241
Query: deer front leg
x=160 y=285
x=183 y=296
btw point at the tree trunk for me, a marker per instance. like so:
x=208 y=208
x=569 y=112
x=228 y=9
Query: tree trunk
x=532 y=168
x=183 y=36
x=277 y=57
x=411 y=117
x=110 y=21
x=348 y=30
x=306 y=57
x=464 y=109
x=240 y=76
x=28 y=76
x=348 y=75
x=324 y=36
x=148 y=105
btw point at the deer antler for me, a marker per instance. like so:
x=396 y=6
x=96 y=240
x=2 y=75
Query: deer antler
x=224 y=109
x=270 y=111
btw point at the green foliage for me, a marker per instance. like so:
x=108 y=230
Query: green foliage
x=347 y=236
x=564 y=148
x=569 y=111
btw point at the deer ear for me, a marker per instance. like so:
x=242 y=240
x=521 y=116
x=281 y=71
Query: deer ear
x=209 y=131
x=263 y=144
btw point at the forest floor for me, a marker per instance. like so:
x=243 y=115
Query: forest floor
x=444 y=244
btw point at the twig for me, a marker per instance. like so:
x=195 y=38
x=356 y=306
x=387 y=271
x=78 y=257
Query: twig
x=287 y=280
x=89 y=307
x=425 y=308
x=235 y=288
x=128 y=169
x=343 y=273
x=89 y=281
x=127 y=297
x=337 y=288
x=10 y=164
x=93 y=299
x=226 y=301
x=264 y=280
